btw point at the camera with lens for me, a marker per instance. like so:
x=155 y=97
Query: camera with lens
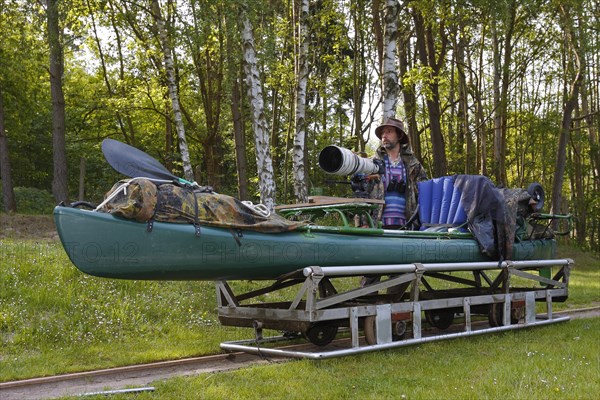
x=364 y=172
x=340 y=161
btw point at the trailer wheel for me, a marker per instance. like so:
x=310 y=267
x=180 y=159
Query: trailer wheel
x=398 y=330
x=441 y=319
x=321 y=334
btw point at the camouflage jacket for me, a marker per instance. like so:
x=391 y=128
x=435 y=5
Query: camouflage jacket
x=414 y=172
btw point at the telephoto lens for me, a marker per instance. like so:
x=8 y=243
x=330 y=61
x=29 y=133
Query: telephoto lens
x=340 y=161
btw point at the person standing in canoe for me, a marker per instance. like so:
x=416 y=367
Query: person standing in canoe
x=397 y=186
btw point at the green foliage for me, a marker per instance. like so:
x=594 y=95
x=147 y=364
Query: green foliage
x=114 y=87
x=32 y=201
x=23 y=87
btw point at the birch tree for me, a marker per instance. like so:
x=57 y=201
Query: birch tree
x=390 y=76
x=264 y=163
x=188 y=172
x=299 y=165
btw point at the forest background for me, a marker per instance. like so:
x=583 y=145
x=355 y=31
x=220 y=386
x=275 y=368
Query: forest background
x=243 y=95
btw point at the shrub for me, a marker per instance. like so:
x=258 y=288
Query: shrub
x=32 y=201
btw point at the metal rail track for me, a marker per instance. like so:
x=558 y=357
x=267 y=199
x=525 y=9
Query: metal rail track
x=95 y=382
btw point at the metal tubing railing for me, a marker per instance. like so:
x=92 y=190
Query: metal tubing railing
x=236 y=346
x=350 y=270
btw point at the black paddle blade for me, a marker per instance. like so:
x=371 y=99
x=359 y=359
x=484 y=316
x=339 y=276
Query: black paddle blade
x=133 y=162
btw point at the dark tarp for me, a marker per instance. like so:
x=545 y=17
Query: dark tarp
x=492 y=213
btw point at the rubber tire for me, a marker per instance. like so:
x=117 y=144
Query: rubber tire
x=321 y=334
x=439 y=318
x=399 y=329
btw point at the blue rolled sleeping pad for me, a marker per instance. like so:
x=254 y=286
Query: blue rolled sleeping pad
x=440 y=205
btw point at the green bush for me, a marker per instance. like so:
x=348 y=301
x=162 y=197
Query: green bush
x=32 y=201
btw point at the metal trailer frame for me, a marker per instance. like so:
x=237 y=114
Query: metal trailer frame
x=317 y=309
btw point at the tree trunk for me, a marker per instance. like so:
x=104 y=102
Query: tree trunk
x=476 y=78
x=209 y=64
x=578 y=187
x=357 y=71
x=276 y=109
x=8 y=193
x=188 y=172
x=463 y=105
x=427 y=55
x=238 y=123
x=571 y=96
x=264 y=164
x=81 y=196
x=59 y=180
x=390 y=76
x=378 y=31
x=504 y=94
x=497 y=150
x=240 y=141
x=300 y=190
x=453 y=132
x=408 y=94
x=168 y=159
x=501 y=84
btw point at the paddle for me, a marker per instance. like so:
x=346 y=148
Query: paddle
x=134 y=163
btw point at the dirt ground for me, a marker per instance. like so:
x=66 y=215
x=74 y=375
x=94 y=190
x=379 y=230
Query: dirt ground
x=36 y=227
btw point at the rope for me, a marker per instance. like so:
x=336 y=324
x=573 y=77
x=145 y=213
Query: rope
x=123 y=187
x=260 y=208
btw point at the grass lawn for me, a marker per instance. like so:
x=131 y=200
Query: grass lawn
x=54 y=319
x=560 y=361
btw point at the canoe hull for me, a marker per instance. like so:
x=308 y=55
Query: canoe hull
x=102 y=245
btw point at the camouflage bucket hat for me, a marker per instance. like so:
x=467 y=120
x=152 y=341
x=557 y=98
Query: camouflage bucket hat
x=394 y=123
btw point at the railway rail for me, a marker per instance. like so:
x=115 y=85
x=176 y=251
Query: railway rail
x=140 y=376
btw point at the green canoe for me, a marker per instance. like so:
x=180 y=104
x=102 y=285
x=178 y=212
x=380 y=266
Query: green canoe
x=104 y=245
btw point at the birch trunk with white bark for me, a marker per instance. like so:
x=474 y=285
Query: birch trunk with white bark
x=188 y=172
x=390 y=76
x=300 y=190
x=264 y=163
